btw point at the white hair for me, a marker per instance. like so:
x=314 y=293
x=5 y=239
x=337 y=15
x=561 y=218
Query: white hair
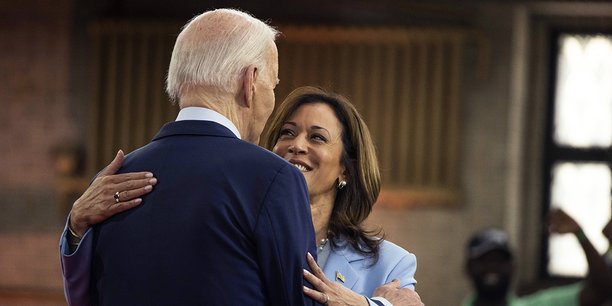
x=215 y=48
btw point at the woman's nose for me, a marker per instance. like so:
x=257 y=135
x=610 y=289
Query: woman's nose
x=297 y=147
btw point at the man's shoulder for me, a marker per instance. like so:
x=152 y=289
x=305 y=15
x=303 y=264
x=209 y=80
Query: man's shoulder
x=259 y=156
x=250 y=158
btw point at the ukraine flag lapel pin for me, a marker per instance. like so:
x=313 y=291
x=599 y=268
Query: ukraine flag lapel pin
x=340 y=277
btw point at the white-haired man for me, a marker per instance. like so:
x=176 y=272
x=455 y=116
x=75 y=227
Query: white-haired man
x=228 y=222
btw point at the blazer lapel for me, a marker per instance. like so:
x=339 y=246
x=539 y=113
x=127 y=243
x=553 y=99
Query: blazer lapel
x=338 y=267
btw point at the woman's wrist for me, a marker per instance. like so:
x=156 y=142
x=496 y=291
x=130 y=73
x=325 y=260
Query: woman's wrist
x=75 y=224
x=73 y=233
x=74 y=239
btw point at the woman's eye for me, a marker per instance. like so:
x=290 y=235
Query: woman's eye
x=318 y=137
x=286 y=132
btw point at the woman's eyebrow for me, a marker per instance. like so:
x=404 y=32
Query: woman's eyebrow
x=316 y=127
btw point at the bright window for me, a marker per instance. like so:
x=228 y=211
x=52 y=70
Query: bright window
x=580 y=146
x=583 y=191
x=583 y=112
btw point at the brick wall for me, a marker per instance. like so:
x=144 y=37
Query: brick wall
x=35 y=116
x=34 y=97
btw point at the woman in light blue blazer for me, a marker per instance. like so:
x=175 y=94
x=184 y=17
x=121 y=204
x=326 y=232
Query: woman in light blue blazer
x=323 y=135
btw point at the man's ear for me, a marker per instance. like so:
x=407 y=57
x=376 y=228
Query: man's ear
x=248 y=84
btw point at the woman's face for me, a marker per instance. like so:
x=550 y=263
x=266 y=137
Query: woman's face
x=311 y=139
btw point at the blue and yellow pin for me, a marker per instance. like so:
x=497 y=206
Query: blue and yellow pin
x=340 y=277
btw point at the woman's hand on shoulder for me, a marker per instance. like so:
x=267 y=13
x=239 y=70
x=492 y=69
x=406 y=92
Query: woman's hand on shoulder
x=108 y=195
x=327 y=292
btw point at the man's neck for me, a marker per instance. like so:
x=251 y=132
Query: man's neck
x=218 y=103
x=224 y=104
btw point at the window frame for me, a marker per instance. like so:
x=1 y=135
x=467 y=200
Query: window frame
x=553 y=153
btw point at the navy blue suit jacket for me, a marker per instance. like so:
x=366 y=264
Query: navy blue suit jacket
x=228 y=223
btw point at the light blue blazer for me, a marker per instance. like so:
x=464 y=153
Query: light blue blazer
x=356 y=272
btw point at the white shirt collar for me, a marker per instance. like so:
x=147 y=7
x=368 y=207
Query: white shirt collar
x=206 y=114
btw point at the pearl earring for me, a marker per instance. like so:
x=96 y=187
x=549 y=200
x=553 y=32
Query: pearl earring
x=341 y=184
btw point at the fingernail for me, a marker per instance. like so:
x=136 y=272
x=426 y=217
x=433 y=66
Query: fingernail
x=148 y=174
x=309 y=255
x=305 y=271
x=153 y=181
x=138 y=200
x=148 y=188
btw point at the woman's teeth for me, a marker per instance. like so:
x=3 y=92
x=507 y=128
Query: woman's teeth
x=301 y=167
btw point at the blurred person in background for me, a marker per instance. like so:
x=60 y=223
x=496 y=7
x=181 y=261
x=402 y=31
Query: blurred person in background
x=490 y=267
